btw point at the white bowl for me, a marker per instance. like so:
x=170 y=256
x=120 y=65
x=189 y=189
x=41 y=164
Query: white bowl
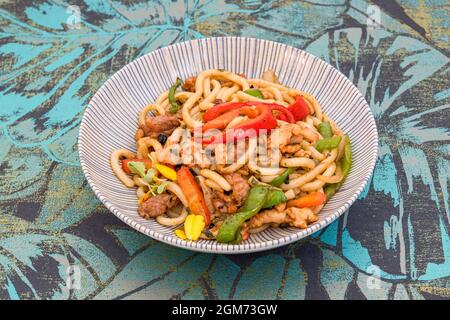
x=110 y=122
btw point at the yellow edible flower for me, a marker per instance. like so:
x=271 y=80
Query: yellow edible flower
x=193 y=227
x=167 y=172
x=180 y=233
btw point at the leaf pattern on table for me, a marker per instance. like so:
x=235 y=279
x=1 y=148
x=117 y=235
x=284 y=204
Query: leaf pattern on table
x=25 y=269
x=380 y=250
x=410 y=164
x=175 y=272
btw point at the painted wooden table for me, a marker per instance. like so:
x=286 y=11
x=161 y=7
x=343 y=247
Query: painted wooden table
x=58 y=242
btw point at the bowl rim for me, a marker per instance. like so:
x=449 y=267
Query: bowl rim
x=215 y=247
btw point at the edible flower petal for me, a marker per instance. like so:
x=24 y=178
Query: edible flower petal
x=193 y=226
x=167 y=172
x=180 y=234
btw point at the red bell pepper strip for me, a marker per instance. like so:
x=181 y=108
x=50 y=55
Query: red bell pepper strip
x=220 y=109
x=193 y=194
x=262 y=119
x=299 y=108
x=224 y=119
x=147 y=162
x=285 y=114
x=221 y=121
x=260 y=114
x=224 y=108
x=281 y=116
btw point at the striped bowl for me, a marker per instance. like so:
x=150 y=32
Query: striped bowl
x=110 y=122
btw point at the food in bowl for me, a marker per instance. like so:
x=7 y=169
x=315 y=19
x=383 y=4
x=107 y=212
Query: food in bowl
x=228 y=156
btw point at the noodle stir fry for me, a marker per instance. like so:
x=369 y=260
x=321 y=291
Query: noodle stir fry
x=224 y=156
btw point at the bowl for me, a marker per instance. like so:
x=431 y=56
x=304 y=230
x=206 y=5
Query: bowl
x=110 y=122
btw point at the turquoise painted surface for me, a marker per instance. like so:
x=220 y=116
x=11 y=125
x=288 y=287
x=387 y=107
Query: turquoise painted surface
x=393 y=244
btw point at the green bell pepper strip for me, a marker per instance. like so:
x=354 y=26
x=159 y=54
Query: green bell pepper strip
x=254 y=202
x=325 y=129
x=346 y=164
x=238 y=237
x=278 y=181
x=274 y=197
x=175 y=106
x=327 y=143
x=260 y=197
x=331 y=189
x=255 y=93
